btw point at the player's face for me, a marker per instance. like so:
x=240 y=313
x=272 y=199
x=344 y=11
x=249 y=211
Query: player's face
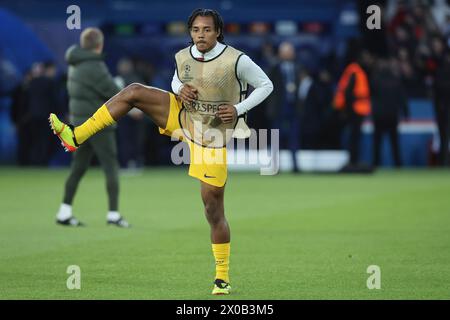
x=204 y=34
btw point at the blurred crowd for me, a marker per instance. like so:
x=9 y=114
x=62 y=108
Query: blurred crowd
x=40 y=93
x=43 y=91
x=417 y=41
x=408 y=58
x=415 y=62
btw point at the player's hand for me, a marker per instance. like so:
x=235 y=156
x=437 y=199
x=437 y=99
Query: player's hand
x=188 y=94
x=227 y=113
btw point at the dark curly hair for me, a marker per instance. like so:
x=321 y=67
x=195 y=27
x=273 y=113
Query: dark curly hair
x=218 y=21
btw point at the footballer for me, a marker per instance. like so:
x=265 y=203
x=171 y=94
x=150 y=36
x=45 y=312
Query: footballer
x=209 y=93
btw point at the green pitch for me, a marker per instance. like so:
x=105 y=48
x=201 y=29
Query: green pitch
x=293 y=237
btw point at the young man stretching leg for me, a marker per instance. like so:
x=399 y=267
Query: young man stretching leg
x=208 y=73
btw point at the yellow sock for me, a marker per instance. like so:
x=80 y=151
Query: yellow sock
x=222 y=256
x=99 y=120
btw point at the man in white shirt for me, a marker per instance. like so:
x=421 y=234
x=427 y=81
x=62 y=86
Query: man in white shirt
x=210 y=86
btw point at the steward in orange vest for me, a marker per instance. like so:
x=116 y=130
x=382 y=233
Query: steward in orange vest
x=361 y=91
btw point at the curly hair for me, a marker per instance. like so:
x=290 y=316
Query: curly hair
x=218 y=21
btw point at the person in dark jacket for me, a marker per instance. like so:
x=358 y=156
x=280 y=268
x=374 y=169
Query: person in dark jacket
x=132 y=130
x=89 y=83
x=315 y=96
x=40 y=98
x=283 y=103
x=22 y=120
x=442 y=106
x=389 y=101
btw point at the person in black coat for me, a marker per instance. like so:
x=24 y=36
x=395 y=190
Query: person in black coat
x=283 y=103
x=442 y=106
x=21 y=119
x=389 y=100
x=315 y=96
x=42 y=98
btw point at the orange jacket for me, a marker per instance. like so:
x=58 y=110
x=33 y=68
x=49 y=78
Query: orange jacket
x=361 y=90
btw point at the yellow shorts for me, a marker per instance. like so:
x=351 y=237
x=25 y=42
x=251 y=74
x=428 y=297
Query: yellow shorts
x=206 y=164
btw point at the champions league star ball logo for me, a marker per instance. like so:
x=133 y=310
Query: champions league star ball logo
x=187 y=69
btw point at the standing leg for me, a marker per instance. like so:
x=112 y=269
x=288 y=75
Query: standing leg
x=394 y=137
x=355 y=135
x=439 y=116
x=294 y=144
x=105 y=147
x=377 y=143
x=213 y=200
x=80 y=163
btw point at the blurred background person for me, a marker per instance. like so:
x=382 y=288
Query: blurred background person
x=283 y=102
x=42 y=96
x=267 y=55
x=442 y=107
x=131 y=130
x=315 y=97
x=20 y=117
x=89 y=84
x=267 y=59
x=414 y=32
x=352 y=98
x=389 y=100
